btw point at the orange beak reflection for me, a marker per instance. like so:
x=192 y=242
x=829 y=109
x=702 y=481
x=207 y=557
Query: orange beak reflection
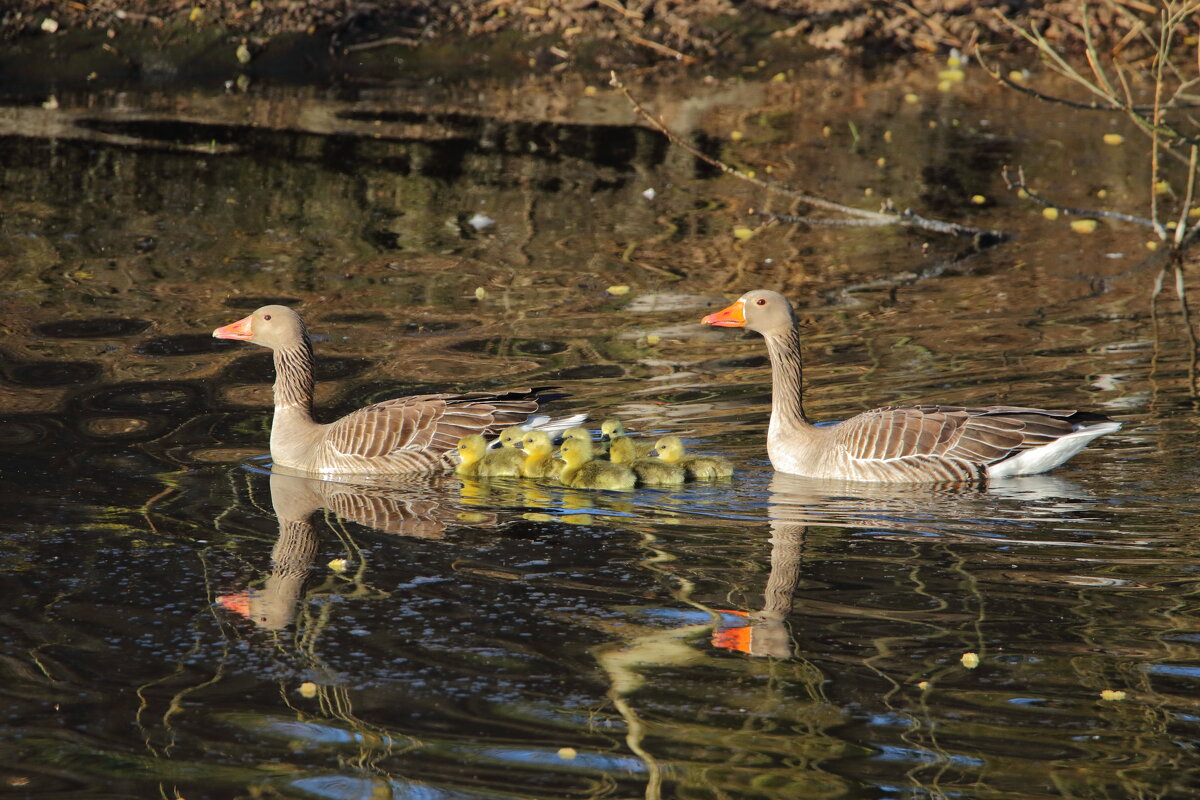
x=239 y=330
x=731 y=317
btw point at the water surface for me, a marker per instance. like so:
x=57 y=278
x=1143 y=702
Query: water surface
x=181 y=621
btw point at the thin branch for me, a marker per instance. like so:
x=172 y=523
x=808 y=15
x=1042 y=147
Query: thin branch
x=1181 y=225
x=1020 y=185
x=907 y=218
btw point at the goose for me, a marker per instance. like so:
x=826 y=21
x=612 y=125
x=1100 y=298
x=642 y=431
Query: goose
x=900 y=444
x=670 y=450
x=477 y=461
x=648 y=470
x=405 y=435
x=539 y=461
x=581 y=471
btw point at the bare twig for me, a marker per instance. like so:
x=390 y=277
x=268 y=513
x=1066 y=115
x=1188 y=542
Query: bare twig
x=860 y=216
x=1020 y=185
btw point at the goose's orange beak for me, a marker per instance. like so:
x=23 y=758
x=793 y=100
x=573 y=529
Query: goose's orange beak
x=239 y=330
x=237 y=603
x=731 y=317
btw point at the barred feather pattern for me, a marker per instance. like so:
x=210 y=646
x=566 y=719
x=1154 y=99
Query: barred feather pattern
x=414 y=434
x=904 y=444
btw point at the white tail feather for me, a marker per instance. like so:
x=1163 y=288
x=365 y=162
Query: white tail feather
x=1048 y=456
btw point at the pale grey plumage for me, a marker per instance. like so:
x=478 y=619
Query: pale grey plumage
x=404 y=435
x=923 y=443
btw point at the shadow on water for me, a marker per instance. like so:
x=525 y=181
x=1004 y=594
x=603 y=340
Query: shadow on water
x=182 y=622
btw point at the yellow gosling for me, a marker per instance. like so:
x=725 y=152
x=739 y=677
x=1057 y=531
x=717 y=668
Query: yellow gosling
x=670 y=449
x=511 y=437
x=648 y=470
x=478 y=462
x=539 y=459
x=612 y=429
x=581 y=471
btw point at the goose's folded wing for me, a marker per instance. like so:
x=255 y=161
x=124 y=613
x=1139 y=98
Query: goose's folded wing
x=430 y=424
x=975 y=435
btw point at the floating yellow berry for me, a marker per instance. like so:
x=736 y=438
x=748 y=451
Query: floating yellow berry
x=736 y=135
x=952 y=75
x=978 y=199
x=1084 y=225
x=653 y=339
x=338 y=565
x=617 y=291
x=1114 y=139
x=911 y=98
x=1050 y=212
x=1112 y=694
x=970 y=660
x=480 y=292
x=308 y=689
x=566 y=753
x=1016 y=76
x=742 y=233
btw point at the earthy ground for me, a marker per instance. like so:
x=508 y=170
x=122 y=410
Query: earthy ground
x=634 y=30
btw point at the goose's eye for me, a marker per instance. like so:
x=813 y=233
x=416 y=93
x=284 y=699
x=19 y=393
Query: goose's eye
x=266 y=316
x=759 y=302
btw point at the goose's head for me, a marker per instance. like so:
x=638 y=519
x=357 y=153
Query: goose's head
x=271 y=326
x=471 y=448
x=537 y=443
x=669 y=449
x=611 y=428
x=582 y=434
x=511 y=437
x=760 y=310
x=576 y=451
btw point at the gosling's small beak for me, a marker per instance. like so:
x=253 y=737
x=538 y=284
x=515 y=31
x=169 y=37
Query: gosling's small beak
x=239 y=330
x=733 y=316
x=652 y=454
x=604 y=437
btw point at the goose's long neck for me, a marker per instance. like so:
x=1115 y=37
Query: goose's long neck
x=294 y=381
x=787 y=380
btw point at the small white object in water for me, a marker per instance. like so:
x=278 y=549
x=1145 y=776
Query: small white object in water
x=650 y=194
x=50 y=25
x=480 y=221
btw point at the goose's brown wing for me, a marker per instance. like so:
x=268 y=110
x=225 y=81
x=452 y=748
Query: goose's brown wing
x=428 y=424
x=977 y=436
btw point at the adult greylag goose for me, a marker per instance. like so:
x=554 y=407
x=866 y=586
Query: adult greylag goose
x=670 y=450
x=897 y=444
x=408 y=434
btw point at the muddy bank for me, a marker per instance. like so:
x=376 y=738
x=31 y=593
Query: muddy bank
x=556 y=34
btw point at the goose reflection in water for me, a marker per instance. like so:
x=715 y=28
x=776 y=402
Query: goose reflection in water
x=413 y=508
x=796 y=503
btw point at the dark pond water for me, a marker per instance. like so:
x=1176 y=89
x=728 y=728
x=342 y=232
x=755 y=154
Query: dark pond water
x=180 y=622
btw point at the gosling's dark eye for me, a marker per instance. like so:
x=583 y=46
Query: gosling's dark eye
x=759 y=302
x=266 y=316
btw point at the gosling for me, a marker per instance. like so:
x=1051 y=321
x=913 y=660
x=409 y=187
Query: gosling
x=648 y=470
x=670 y=449
x=581 y=471
x=478 y=462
